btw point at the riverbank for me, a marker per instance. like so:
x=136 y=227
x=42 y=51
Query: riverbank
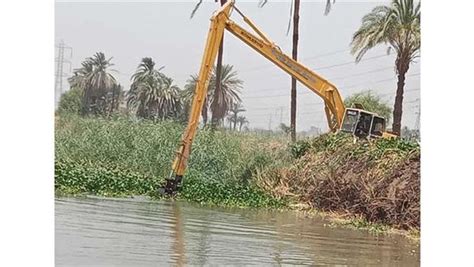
x=359 y=185
x=356 y=222
x=377 y=181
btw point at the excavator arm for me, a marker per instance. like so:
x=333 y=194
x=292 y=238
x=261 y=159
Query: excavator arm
x=334 y=105
x=214 y=37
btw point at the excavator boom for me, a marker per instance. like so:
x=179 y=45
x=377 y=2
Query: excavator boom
x=334 y=105
x=216 y=31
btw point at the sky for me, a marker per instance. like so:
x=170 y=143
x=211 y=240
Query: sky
x=163 y=30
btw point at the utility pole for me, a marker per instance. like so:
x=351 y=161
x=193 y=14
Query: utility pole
x=294 y=55
x=281 y=114
x=60 y=61
x=417 y=121
x=270 y=122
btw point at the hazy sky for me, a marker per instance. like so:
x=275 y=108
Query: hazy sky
x=163 y=30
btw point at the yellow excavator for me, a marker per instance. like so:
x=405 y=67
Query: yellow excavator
x=355 y=121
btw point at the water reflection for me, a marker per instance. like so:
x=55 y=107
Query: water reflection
x=177 y=235
x=140 y=232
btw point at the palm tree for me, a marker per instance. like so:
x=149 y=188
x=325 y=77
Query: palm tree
x=218 y=86
x=99 y=83
x=169 y=102
x=218 y=101
x=231 y=120
x=95 y=80
x=234 y=113
x=116 y=95
x=144 y=77
x=78 y=80
x=152 y=94
x=222 y=98
x=187 y=97
x=294 y=13
x=397 y=25
x=241 y=120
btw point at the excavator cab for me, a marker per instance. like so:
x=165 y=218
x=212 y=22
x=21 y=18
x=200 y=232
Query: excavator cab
x=363 y=124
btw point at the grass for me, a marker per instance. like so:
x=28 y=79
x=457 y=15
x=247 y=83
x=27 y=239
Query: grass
x=120 y=156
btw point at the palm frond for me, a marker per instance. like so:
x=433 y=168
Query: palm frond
x=262 y=3
x=196 y=7
x=328 y=6
x=290 y=17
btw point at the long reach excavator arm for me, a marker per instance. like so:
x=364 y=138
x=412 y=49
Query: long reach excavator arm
x=334 y=105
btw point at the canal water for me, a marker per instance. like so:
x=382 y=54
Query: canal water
x=138 y=232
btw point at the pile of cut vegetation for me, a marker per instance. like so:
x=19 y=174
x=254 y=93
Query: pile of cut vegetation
x=377 y=180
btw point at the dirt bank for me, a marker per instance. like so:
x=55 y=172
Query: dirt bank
x=377 y=181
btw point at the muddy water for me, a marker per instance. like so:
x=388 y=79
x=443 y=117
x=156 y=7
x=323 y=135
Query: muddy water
x=137 y=232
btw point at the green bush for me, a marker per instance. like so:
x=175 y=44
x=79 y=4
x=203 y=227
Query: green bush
x=299 y=148
x=70 y=102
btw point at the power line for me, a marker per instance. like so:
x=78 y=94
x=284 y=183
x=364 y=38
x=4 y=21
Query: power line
x=362 y=73
x=413 y=101
x=358 y=74
x=345 y=87
x=379 y=81
x=340 y=77
x=336 y=65
x=322 y=103
x=352 y=62
x=406 y=90
x=306 y=58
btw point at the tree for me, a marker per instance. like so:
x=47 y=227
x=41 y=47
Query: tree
x=71 y=101
x=294 y=14
x=371 y=103
x=231 y=120
x=152 y=94
x=218 y=84
x=115 y=97
x=219 y=101
x=285 y=128
x=95 y=81
x=234 y=114
x=223 y=99
x=397 y=25
x=98 y=83
x=241 y=120
x=144 y=76
x=188 y=97
x=169 y=104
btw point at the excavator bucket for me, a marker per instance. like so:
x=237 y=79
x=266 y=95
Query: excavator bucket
x=171 y=186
